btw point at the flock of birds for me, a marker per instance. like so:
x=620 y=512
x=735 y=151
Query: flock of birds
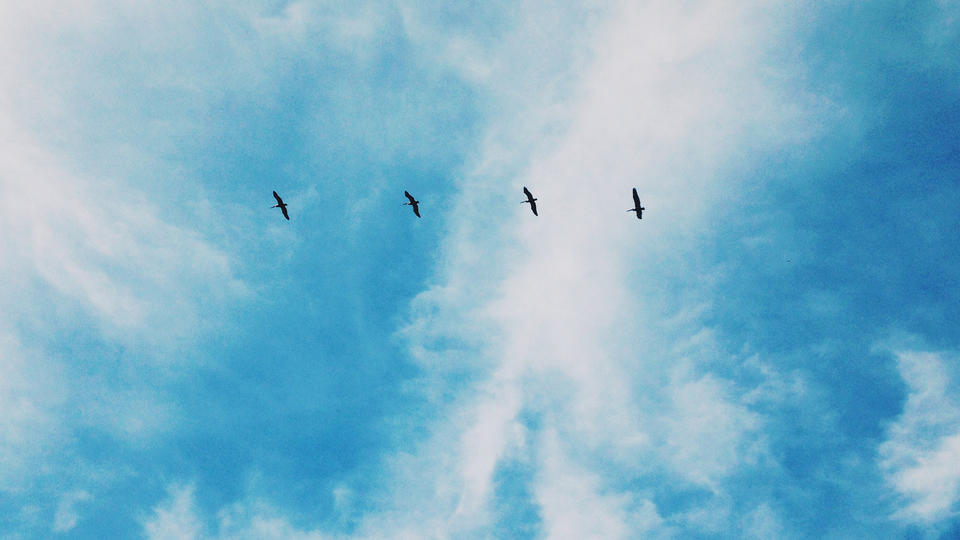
x=531 y=200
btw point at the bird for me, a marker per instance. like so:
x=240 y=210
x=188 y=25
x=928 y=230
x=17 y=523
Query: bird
x=413 y=202
x=531 y=200
x=281 y=205
x=636 y=203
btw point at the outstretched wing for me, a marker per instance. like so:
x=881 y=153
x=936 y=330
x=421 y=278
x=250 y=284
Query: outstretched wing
x=410 y=198
x=527 y=193
x=416 y=209
x=284 y=210
x=636 y=198
x=279 y=200
x=533 y=206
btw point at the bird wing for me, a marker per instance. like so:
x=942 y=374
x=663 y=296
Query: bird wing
x=284 y=210
x=527 y=193
x=416 y=209
x=533 y=206
x=410 y=197
x=636 y=198
x=277 y=197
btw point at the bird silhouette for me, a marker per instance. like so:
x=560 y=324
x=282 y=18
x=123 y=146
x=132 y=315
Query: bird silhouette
x=413 y=202
x=531 y=200
x=281 y=205
x=636 y=203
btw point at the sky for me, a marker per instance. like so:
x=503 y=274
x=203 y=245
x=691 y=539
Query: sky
x=771 y=352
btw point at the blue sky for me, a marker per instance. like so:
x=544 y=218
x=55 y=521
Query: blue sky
x=771 y=353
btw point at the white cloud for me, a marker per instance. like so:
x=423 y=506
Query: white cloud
x=933 y=482
x=77 y=236
x=564 y=317
x=763 y=523
x=178 y=518
x=66 y=516
x=490 y=433
x=96 y=258
x=107 y=283
x=103 y=249
x=31 y=394
x=175 y=518
x=923 y=446
x=576 y=503
x=706 y=431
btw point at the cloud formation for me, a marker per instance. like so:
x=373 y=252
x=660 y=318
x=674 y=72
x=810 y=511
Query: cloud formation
x=177 y=362
x=923 y=445
x=107 y=289
x=576 y=372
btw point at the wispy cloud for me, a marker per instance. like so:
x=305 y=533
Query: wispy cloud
x=175 y=518
x=102 y=248
x=31 y=394
x=66 y=516
x=577 y=502
x=567 y=354
x=923 y=445
x=106 y=289
x=580 y=373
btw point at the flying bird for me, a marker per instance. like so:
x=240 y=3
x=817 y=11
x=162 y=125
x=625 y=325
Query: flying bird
x=636 y=203
x=281 y=205
x=531 y=200
x=413 y=202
